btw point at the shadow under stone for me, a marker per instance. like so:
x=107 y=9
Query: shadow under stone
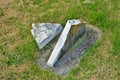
x=70 y=59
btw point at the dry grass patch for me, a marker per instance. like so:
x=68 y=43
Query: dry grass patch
x=14 y=69
x=106 y=46
x=98 y=65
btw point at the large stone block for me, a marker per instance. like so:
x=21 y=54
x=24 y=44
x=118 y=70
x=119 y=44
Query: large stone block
x=73 y=30
x=45 y=32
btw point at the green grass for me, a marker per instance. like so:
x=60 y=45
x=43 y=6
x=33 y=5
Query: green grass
x=18 y=50
x=1 y=12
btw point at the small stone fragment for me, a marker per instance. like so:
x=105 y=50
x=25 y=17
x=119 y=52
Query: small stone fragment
x=43 y=33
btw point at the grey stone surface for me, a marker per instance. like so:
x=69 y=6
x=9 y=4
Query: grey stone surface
x=43 y=33
x=73 y=30
x=71 y=58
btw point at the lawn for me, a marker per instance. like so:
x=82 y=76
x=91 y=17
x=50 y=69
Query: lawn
x=18 y=50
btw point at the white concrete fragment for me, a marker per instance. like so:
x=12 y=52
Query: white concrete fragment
x=45 y=32
x=56 y=52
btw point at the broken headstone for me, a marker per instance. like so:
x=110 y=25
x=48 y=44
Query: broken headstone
x=73 y=30
x=45 y=32
x=71 y=58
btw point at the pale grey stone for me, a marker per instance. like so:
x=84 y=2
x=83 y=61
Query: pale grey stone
x=67 y=39
x=43 y=33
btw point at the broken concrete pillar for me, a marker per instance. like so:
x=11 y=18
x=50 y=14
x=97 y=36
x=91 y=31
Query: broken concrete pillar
x=73 y=30
x=45 y=32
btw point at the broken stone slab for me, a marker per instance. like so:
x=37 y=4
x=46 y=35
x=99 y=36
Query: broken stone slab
x=71 y=58
x=73 y=30
x=68 y=56
x=43 y=33
x=75 y=33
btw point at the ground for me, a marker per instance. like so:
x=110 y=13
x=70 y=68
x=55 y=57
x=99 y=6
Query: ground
x=18 y=50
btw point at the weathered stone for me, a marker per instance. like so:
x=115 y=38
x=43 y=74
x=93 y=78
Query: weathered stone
x=73 y=30
x=72 y=57
x=45 y=32
x=75 y=33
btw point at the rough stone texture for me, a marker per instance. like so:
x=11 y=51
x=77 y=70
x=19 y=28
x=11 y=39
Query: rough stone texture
x=45 y=32
x=71 y=58
x=76 y=32
x=73 y=30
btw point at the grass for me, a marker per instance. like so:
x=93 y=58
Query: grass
x=18 y=50
x=1 y=12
